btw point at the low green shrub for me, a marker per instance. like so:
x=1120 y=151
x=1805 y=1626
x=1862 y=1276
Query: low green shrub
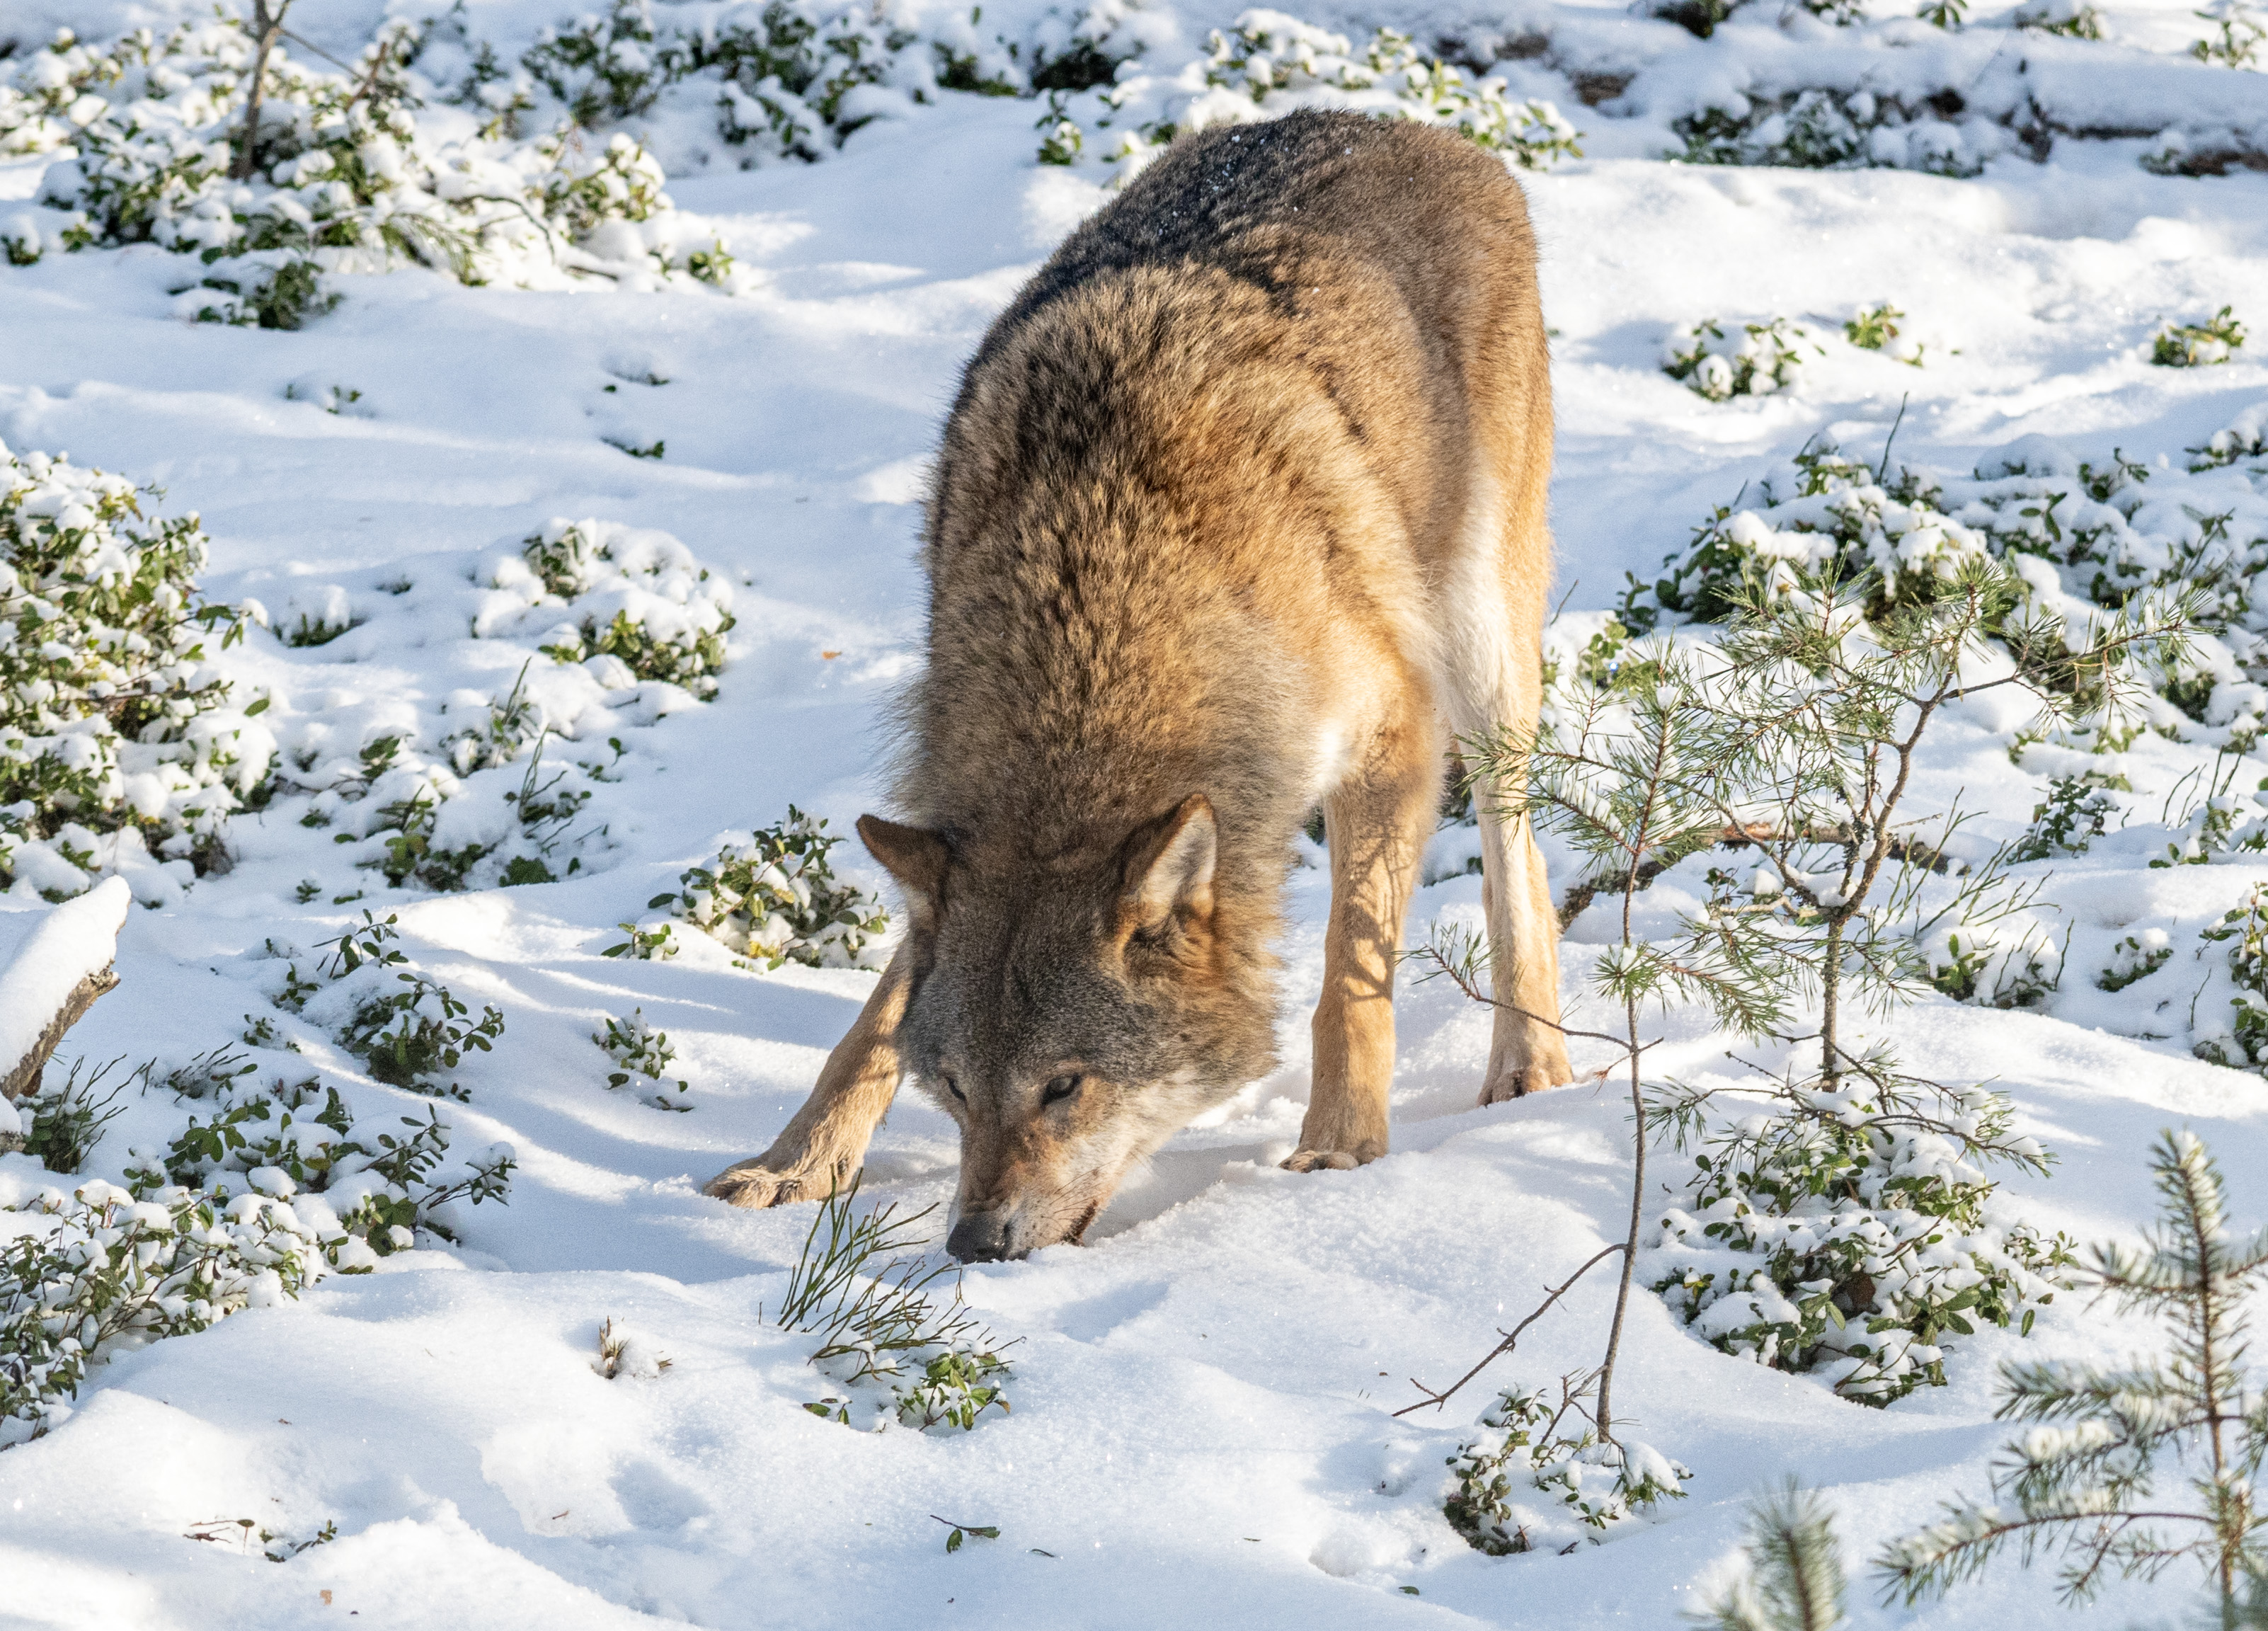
x=117 y=736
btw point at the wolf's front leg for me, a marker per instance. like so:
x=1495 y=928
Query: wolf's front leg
x=826 y=1141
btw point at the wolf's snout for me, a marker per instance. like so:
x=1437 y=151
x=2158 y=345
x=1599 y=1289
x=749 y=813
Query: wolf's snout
x=979 y=1237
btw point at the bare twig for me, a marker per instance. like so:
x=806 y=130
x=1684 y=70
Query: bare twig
x=1509 y=1337
x=267 y=26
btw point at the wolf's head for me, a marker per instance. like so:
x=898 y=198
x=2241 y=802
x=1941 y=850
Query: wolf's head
x=1070 y=1013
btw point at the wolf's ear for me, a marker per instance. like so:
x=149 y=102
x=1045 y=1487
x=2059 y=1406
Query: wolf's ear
x=916 y=858
x=1168 y=867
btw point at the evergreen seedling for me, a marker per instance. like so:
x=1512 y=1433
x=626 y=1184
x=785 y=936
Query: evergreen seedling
x=2088 y=1480
x=1793 y=1581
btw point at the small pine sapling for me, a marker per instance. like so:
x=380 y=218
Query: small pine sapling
x=1793 y=1580
x=2085 y=1480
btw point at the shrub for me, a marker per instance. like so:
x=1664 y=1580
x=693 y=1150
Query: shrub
x=2237 y=988
x=2198 y=345
x=407 y=1037
x=1269 y=63
x=1752 y=359
x=112 y=717
x=1877 y=329
x=67 y=1118
x=345 y=176
x=1500 y=1479
x=2074 y=19
x=398 y=1191
x=2072 y=816
x=252 y=1133
x=636 y=596
x=1824 y=129
x=2080 y=541
x=102 y=1273
x=1849 y=1237
x=2239 y=34
x=870 y=1305
x=777 y=898
x=638 y=1049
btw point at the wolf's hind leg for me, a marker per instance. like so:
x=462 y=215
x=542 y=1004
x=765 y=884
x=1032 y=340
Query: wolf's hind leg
x=825 y=1141
x=1527 y=1053
x=1376 y=824
x=1495 y=686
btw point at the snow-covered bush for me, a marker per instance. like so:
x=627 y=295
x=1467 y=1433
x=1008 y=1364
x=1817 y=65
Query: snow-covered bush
x=2240 y=34
x=345 y=177
x=1269 y=63
x=101 y=1271
x=2245 y=439
x=1523 y=1484
x=638 y=1049
x=1818 y=128
x=632 y=595
x=1878 y=328
x=1721 y=361
x=1843 y=1231
x=255 y=1132
x=115 y=734
x=2198 y=345
x=2074 y=19
x=777 y=898
x=64 y=1120
x=2231 y=1022
x=2083 y=544
x=406 y=1027
x=2071 y=816
x=2135 y=957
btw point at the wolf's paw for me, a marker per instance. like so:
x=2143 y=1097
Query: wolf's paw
x=747 y=1184
x=1518 y=1084
x=1320 y=1161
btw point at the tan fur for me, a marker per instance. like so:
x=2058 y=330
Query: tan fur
x=1240 y=508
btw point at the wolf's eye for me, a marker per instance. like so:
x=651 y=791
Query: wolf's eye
x=1060 y=1089
x=954 y=1087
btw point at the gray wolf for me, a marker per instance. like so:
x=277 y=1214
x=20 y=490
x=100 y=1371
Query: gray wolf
x=1240 y=510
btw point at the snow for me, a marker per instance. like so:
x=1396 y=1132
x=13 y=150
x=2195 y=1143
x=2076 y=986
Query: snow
x=45 y=955
x=1201 y=1428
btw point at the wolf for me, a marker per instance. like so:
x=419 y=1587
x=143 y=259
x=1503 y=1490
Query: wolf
x=1239 y=511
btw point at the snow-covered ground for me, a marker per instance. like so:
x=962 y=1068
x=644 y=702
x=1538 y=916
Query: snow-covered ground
x=1201 y=1394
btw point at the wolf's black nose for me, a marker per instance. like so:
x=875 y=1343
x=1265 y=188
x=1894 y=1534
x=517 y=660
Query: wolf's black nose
x=979 y=1237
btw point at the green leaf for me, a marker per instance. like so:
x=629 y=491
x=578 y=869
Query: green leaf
x=953 y=1541
x=2026 y=1328
x=258 y=707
